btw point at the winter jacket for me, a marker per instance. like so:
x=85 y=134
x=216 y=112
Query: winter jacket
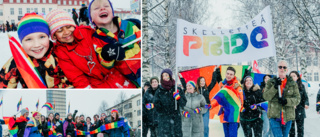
x=84 y=15
x=150 y=115
x=1 y=122
x=290 y=93
x=127 y=32
x=300 y=110
x=59 y=126
x=318 y=100
x=252 y=96
x=32 y=128
x=45 y=129
x=68 y=128
x=48 y=68
x=80 y=126
x=119 y=132
x=75 y=17
x=85 y=128
x=21 y=122
x=74 y=60
x=193 y=126
x=164 y=104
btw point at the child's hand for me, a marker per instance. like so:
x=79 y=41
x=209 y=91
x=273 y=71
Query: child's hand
x=113 y=52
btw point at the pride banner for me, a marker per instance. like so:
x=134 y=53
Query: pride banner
x=200 y=46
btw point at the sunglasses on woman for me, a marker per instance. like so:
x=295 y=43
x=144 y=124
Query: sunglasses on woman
x=280 y=67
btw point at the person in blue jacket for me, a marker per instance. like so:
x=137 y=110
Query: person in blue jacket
x=88 y=126
x=34 y=127
x=123 y=131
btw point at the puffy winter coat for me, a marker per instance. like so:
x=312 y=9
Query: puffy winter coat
x=85 y=128
x=300 y=110
x=169 y=118
x=21 y=122
x=45 y=129
x=127 y=32
x=68 y=128
x=150 y=115
x=119 y=132
x=83 y=14
x=193 y=126
x=252 y=96
x=48 y=67
x=74 y=60
x=290 y=92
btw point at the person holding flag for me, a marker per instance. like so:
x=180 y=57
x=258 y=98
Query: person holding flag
x=33 y=32
x=281 y=103
x=21 y=121
x=34 y=127
x=230 y=97
x=122 y=131
x=58 y=122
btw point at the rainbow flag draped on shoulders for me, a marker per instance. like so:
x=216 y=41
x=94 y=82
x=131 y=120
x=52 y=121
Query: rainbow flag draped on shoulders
x=9 y=121
x=102 y=128
x=228 y=99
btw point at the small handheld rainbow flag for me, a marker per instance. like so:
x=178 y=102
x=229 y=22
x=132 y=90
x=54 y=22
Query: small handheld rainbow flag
x=318 y=103
x=37 y=105
x=264 y=105
x=186 y=114
x=25 y=66
x=48 y=106
x=54 y=105
x=197 y=110
x=1 y=101
x=176 y=95
x=150 y=106
x=253 y=107
x=19 y=104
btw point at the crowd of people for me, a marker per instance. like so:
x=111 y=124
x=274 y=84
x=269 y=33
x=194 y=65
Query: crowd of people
x=78 y=56
x=185 y=112
x=53 y=126
x=8 y=27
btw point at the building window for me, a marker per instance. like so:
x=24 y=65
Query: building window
x=20 y=11
x=1 y=12
x=309 y=61
x=85 y=2
x=28 y=10
x=128 y=115
x=129 y=105
x=50 y=1
x=80 y=3
x=24 y=1
x=70 y=2
x=31 y=1
x=43 y=10
x=1 y=1
x=38 y=1
x=309 y=77
x=139 y=122
x=138 y=112
x=75 y=3
x=36 y=10
x=316 y=76
x=50 y=9
x=59 y=3
x=11 y=1
x=44 y=1
x=315 y=61
x=11 y=11
x=138 y=102
x=69 y=10
x=18 y=1
x=1 y=22
x=64 y=2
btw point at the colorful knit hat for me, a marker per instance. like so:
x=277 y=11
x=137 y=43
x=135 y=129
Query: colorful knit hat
x=31 y=23
x=73 y=9
x=58 y=18
x=82 y=5
x=192 y=83
x=35 y=113
x=89 y=9
x=114 y=110
x=23 y=111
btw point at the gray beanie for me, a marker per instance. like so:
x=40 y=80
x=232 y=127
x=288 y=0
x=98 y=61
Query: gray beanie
x=23 y=111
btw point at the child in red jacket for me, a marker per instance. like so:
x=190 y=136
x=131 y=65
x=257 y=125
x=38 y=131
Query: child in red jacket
x=77 y=57
x=111 y=35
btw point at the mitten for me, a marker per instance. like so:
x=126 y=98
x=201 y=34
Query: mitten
x=185 y=114
x=242 y=109
x=207 y=106
x=113 y=52
x=217 y=75
x=197 y=110
x=253 y=107
x=277 y=83
x=282 y=101
x=149 y=106
x=176 y=95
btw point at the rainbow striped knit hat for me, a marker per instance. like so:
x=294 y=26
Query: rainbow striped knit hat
x=114 y=110
x=192 y=83
x=59 y=18
x=31 y=23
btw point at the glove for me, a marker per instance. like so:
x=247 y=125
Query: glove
x=113 y=52
x=149 y=106
x=282 y=101
x=247 y=72
x=277 y=83
x=176 y=95
x=185 y=114
x=75 y=111
x=217 y=75
x=197 y=110
x=253 y=107
x=242 y=109
x=39 y=127
x=207 y=106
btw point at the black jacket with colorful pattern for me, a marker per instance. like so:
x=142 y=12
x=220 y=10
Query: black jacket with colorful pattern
x=47 y=67
x=127 y=32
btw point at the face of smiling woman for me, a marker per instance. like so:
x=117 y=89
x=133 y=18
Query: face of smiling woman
x=36 y=44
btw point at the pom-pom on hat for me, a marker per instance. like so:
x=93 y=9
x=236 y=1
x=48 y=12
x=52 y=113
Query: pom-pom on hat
x=57 y=19
x=32 y=23
x=89 y=10
x=114 y=110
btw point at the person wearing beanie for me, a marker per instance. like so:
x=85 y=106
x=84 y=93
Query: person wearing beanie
x=68 y=126
x=77 y=57
x=167 y=103
x=111 y=35
x=192 y=112
x=59 y=124
x=150 y=116
x=21 y=121
x=84 y=15
x=145 y=87
x=75 y=16
x=34 y=32
x=250 y=118
x=121 y=131
x=34 y=127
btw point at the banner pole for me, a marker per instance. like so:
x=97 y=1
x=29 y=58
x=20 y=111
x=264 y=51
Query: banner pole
x=279 y=90
x=176 y=84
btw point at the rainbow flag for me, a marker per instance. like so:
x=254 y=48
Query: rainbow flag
x=264 y=105
x=48 y=106
x=229 y=100
x=9 y=121
x=54 y=105
x=19 y=104
x=37 y=105
x=1 y=101
x=105 y=127
x=25 y=66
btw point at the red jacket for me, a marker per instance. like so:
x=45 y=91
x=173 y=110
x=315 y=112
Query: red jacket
x=75 y=62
